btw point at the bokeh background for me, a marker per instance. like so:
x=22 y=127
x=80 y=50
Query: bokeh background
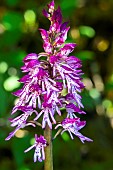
x=91 y=24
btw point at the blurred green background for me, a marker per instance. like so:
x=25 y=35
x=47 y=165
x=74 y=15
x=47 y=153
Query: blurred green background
x=91 y=24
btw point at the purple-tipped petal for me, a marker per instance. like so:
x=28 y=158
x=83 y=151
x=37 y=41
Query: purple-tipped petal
x=24 y=79
x=47 y=47
x=18 y=92
x=73 y=108
x=32 y=63
x=25 y=108
x=67 y=49
x=45 y=13
x=57 y=16
x=63 y=26
x=31 y=56
x=62 y=37
x=51 y=6
x=44 y=34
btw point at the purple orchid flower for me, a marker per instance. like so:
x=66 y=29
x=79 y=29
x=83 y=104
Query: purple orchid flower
x=40 y=143
x=72 y=125
x=21 y=121
x=44 y=82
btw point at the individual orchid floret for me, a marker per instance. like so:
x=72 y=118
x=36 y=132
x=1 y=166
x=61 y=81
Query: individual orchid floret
x=73 y=125
x=21 y=121
x=39 y=145
x=48 y=115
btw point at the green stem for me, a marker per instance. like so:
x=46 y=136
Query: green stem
x=48 y=163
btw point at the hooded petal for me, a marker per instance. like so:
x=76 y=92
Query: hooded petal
x=73 y=108
x=67 y=49
x=44 y=34
x=31 y=56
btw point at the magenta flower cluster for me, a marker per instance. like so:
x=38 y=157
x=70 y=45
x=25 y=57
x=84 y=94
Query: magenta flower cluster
x=45 y=82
